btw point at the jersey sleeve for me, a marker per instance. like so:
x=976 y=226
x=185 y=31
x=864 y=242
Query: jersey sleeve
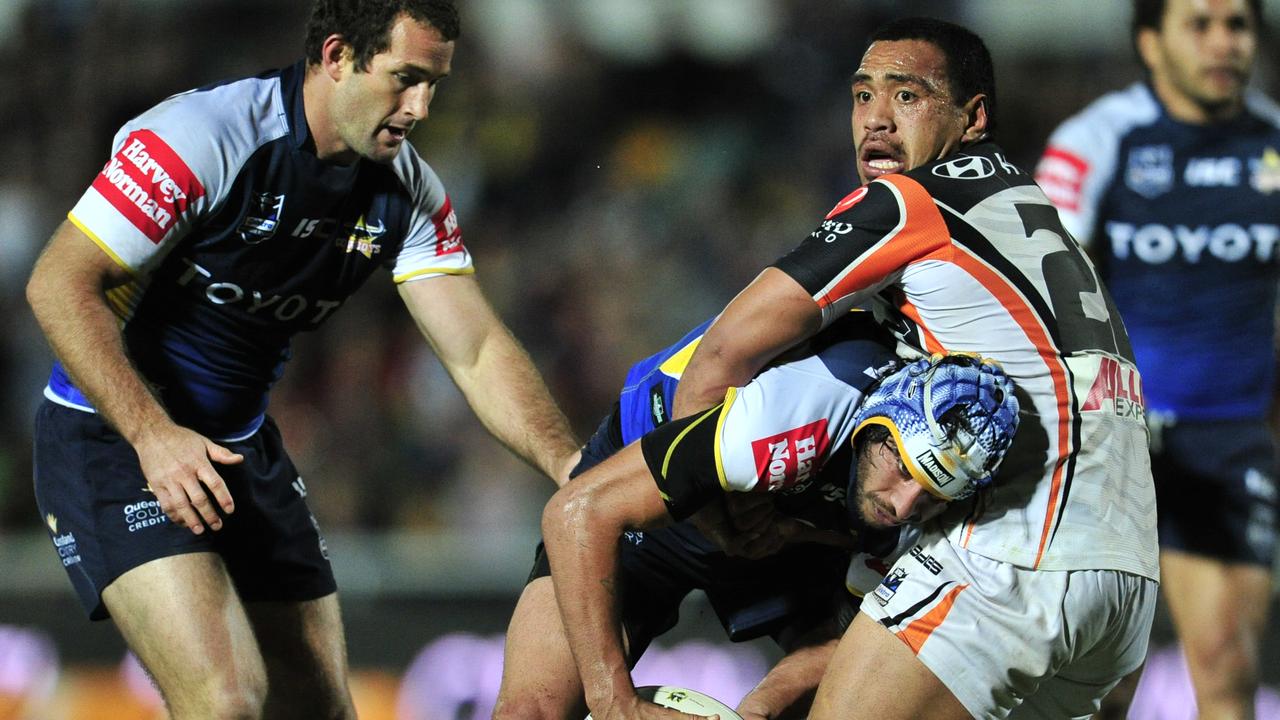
x=1078 y=167
x=433 y=245
x=167 y=168
x=866 y=243
x=775 y=433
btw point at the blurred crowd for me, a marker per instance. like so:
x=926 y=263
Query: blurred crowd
x=618 y=168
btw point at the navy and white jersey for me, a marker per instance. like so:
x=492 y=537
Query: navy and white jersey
x=237 y=237
x=787 y=432
x=1185 y=222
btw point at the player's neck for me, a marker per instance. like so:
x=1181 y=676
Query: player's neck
x=316 y=98
x=1186 y=109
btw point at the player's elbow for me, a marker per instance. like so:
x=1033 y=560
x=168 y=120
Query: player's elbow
x=566 y=513
x=578 y=514
x=40 y=290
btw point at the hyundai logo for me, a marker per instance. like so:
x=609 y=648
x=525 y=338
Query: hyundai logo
x=966 y=168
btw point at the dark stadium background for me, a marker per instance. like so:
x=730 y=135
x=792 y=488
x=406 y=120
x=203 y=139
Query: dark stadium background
x=619 y=169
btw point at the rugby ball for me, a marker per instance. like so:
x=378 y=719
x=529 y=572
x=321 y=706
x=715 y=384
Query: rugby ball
x=686 y=701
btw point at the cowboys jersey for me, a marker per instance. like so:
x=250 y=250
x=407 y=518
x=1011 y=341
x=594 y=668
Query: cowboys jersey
x=236 y=237
x=1185 y=221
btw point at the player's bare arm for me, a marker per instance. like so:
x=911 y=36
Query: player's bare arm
x=787 y=690
x=770 y=315
x=581 y=526
x=67 y=293
x=773 y=313
x=493 y=371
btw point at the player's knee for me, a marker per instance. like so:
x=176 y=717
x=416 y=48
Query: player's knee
x=1225 y=660
x=239 y=694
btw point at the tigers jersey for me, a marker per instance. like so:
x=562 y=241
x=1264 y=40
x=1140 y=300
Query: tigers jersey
x=237 y=237
x=967 y=254
x=1185 y=222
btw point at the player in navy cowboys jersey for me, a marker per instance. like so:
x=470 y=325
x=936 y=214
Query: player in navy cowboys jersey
x=1174 y=186
x=821 y=432
x=226 y=220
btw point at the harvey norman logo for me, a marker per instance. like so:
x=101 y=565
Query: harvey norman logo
x=448 y=234
x=790 y=458
x=148 y=183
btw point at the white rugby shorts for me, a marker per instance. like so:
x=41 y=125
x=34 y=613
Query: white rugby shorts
x=1012 y=642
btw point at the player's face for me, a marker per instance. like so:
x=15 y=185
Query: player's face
x=373 y=111
x=886 y=493
x=904 y=114
x=1201 y=58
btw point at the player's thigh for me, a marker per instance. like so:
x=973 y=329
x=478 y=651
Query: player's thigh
x=305 y=653
x=875 y=675
x=181 y=616
x=1219 y=609
x=539 y=677
x=994 y=634
x=102 y=519
x=1216 y=491
x=1107 y=618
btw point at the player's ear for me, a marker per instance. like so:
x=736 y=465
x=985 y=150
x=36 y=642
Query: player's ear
x=336 y=56
x=1148 y=44
x=975 y=114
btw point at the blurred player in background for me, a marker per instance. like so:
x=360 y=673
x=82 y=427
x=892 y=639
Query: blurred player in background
x=824 y=432
x=1174 y=186
x=1038 y=598
x=226 y=220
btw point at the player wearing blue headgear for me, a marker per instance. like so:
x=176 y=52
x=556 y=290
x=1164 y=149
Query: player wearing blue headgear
x=840 y=413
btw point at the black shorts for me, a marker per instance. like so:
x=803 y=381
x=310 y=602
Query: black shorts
x=103 y=522
x=1215 y=489
x=792 y=591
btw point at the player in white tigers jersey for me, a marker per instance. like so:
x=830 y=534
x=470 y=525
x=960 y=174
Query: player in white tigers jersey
x=963 y=252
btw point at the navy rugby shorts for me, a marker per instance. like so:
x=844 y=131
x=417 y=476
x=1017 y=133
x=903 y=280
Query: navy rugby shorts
x=1216 y=494
x=785 y=593
x=103 y=522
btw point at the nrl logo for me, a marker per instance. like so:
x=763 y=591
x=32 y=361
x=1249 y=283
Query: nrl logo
x=362 y=238
x=263 y=218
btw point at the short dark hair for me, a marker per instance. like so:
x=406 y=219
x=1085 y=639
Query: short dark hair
x=1149 y=14
x=366 y=24
x=969 y=67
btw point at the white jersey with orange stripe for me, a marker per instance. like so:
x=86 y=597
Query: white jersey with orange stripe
x=967 y=254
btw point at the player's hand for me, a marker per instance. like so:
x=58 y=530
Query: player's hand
x=750 y=513
x=177 y=463
x=714 y=524
x=566 y=467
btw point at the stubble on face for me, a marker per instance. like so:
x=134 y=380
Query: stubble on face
x=375 y=109
x=1203 y=56
x=904 y=115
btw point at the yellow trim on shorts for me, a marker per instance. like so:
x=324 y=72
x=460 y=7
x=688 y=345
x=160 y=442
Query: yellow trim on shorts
x=666 y=460
x=674 y=366
x=98 y=241
x=425 y=271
